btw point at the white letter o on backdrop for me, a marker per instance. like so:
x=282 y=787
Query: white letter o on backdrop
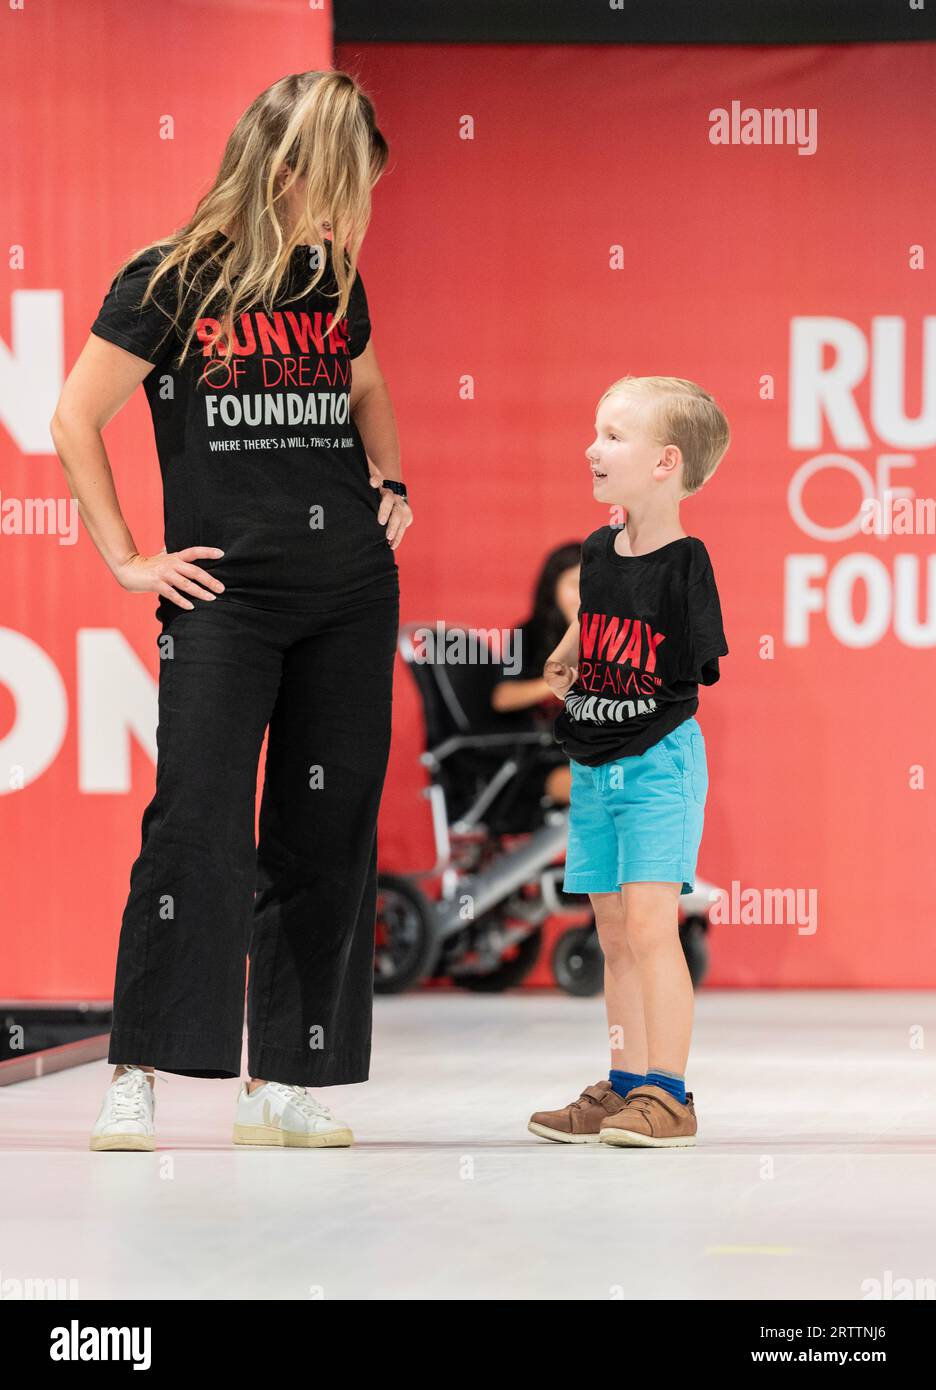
x=41 y=717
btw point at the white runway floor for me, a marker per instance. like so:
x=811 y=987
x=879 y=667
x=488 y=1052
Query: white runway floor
x=814 y=1170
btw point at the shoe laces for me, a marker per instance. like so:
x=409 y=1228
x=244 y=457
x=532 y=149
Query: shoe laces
x=127 y=1100
x=303 y=1102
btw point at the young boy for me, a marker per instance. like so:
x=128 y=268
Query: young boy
x=649 y=632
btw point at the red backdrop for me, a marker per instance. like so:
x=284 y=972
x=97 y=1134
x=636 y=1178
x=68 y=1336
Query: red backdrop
x=551 y=218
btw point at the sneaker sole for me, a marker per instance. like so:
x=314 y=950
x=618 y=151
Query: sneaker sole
x=269 y=1137
x=109 y=1143
x=559 y=1137
x=629 y=1139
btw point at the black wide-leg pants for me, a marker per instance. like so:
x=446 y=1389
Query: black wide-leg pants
x=204 y=893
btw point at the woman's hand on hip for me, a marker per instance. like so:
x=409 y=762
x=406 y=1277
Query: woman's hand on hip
x=394 y=512
x=167 y=574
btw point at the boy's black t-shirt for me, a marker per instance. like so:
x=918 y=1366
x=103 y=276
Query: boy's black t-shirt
x=650 y=632
x=263 y=460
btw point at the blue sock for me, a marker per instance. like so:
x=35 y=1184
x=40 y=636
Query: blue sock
x=668 y=1081
x=624 y=1081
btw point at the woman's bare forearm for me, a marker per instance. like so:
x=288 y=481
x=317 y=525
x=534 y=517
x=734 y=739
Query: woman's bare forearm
x=84 y=461
x=376 y=422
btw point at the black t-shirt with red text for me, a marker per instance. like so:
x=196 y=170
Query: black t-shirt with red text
x=650 y=632
x=262 y=459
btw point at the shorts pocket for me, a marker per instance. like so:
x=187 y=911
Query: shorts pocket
x=698 y=766
x=671 y=751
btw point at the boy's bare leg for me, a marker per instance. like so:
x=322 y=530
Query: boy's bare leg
x=623 y=1000
x=652 y=928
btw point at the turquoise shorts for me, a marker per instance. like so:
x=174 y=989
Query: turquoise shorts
x=639 y=819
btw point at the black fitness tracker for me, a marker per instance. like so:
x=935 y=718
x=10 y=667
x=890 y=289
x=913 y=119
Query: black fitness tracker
x=392 y=485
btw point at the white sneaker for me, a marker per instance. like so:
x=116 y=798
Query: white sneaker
x=287 y=1117
x=126 y=1118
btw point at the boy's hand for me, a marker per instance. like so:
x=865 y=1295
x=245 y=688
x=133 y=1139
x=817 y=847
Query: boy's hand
x=559 y=677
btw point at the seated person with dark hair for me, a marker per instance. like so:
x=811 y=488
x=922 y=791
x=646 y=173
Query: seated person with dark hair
x=555 y=606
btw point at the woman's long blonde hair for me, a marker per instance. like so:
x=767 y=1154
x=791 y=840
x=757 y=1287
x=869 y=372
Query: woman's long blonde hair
x=236 y=250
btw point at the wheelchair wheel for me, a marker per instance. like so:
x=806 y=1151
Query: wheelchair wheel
x=511 y=971
x=692 y=934
x=578 y=962
x=406 y=941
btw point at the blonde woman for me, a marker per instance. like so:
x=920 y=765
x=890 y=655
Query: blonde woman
x=278 y=608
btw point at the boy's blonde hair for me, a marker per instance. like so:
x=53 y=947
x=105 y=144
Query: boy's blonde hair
x=686 y=416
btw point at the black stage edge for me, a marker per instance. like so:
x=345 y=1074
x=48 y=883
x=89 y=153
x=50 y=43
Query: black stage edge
x=41 y=1036
x=632 y=21
x=49 y=1059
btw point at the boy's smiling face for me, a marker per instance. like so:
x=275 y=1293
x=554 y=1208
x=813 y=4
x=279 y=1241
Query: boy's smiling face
x=626 y=462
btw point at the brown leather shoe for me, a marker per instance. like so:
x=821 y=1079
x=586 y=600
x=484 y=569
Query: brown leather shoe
x=651 y=1118
x=580 y=1122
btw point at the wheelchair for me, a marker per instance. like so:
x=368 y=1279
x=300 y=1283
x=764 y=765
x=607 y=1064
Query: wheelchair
x=499 y=847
